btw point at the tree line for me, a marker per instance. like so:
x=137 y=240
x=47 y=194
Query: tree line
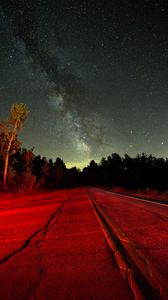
x=28 y=171
x=131 y=173
x=22 y=170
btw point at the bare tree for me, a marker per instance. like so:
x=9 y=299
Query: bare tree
x=9 y=128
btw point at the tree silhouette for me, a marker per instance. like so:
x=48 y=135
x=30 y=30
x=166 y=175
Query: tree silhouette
x=27 y=160
x=59 y=172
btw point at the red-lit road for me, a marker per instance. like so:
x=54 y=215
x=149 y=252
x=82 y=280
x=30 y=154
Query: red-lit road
x=144 y=222
x=53 y=247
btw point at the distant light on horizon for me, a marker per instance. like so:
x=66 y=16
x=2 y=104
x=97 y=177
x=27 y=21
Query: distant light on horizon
x=79 y=165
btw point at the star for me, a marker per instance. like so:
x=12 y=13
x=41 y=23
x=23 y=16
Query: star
x=72 y=61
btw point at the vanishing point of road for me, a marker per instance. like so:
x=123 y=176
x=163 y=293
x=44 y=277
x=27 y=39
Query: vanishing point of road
x=83 y=243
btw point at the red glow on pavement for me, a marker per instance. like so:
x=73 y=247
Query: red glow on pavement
x=52 y=244
x=52 y=247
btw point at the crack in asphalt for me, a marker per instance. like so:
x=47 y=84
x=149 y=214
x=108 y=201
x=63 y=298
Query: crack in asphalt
x=145 y=261
x=41 y=232
x=39 y=244
x=135 y=276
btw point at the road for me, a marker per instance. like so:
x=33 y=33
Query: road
x=144 y=222
x=53 y=244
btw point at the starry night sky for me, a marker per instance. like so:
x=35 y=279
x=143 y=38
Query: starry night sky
x=94 y=75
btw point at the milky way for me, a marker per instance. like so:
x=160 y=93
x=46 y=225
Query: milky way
x=94 y=76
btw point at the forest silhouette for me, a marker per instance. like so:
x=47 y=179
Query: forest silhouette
x=28 y=171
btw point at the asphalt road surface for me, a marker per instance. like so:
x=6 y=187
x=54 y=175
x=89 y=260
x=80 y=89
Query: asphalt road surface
x=53 y=247
x=144 y=222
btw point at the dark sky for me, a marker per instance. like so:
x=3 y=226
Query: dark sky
x=94 y=75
